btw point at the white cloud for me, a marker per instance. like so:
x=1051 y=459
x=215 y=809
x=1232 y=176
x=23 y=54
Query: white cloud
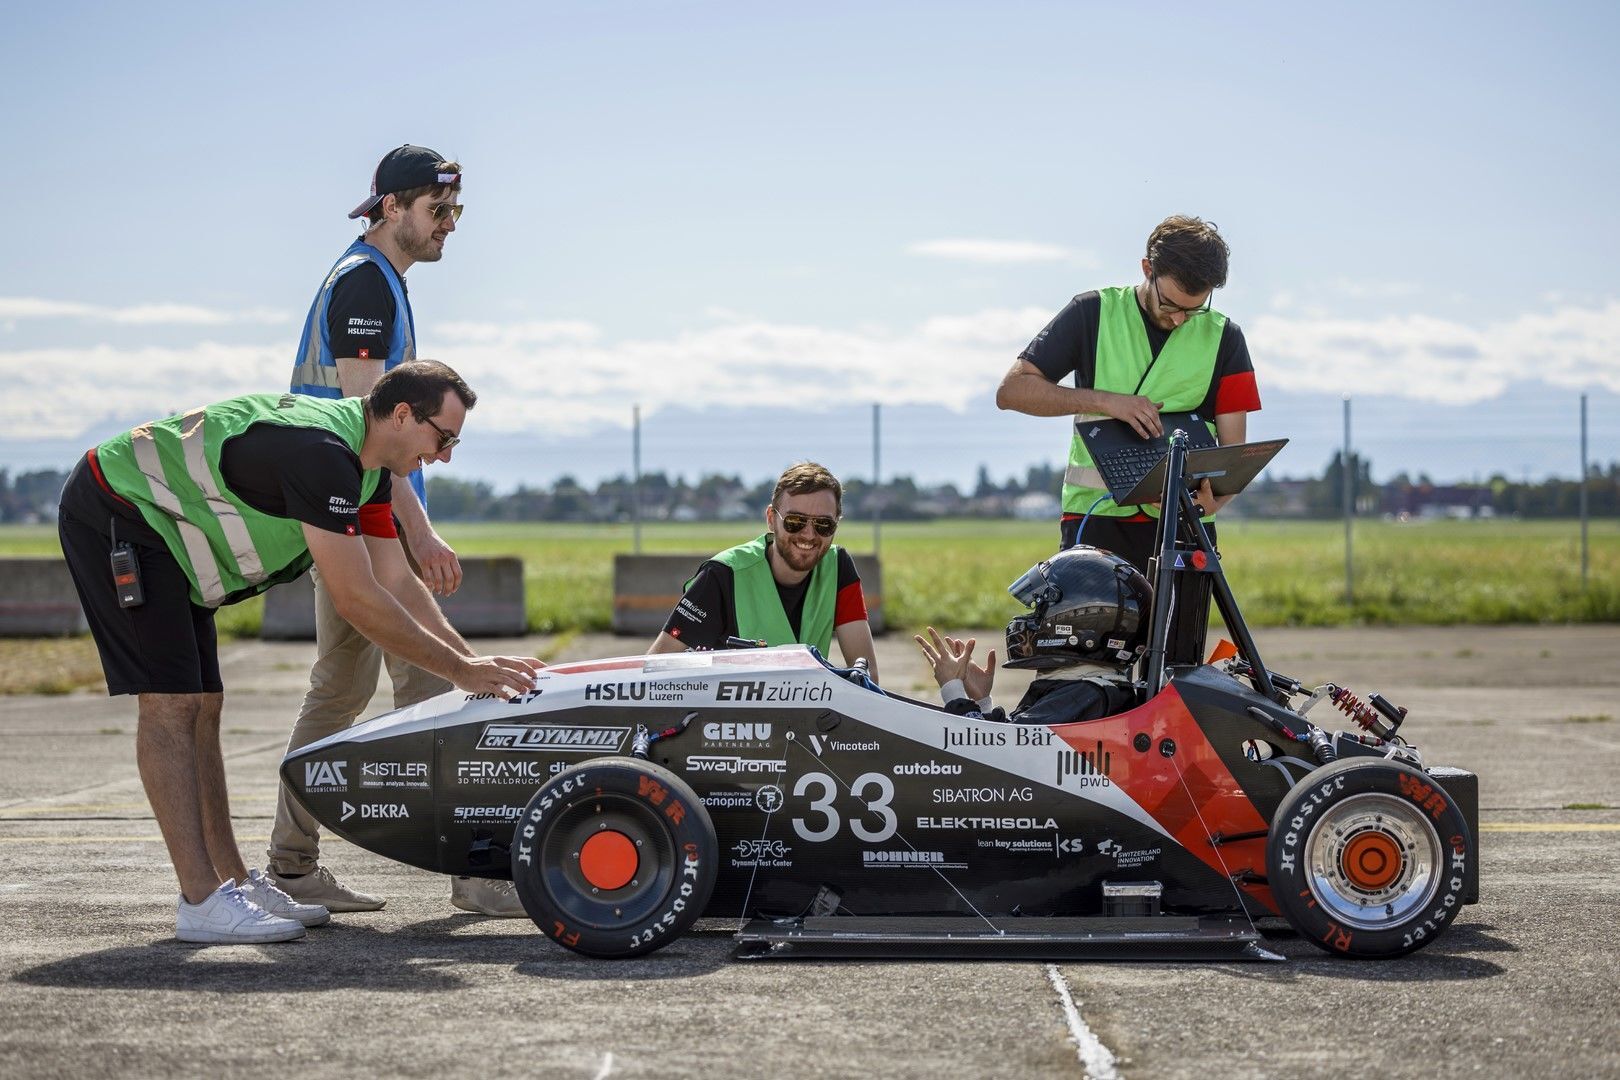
x=998 y=251
x=565 y=378
x=13 y=308
x=1440 y=360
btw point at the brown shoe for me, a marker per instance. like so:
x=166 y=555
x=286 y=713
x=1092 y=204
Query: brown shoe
x=320 y=887
x=487 y=896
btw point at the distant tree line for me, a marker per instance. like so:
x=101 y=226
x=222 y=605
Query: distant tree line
x=31 y=497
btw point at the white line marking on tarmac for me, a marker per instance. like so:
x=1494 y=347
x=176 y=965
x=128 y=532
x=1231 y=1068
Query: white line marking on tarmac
x=1095 y=1058
x=607 y=1066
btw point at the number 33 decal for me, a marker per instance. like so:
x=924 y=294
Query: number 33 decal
x=823 y=806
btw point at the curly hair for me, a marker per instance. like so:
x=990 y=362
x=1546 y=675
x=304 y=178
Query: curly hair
x=1190 y=250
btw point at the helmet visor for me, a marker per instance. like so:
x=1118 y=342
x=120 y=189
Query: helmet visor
x=1032 y=586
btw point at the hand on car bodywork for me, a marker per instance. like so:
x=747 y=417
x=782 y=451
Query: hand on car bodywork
x=952 y=658
x=504 y=676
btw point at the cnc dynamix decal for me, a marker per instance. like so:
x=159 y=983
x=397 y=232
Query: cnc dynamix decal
x=543 y=737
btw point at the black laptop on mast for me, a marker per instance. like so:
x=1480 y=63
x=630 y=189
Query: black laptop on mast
x=1133 y=468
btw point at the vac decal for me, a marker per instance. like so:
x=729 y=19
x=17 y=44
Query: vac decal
x=325 y=776
x=533 y=737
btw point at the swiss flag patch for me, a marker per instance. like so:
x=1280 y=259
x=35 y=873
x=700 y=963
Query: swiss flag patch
x=675 y=631
x=348 y=530
x=365 y=354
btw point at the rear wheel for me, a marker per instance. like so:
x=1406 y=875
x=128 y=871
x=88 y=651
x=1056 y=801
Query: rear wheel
x=1367 y=858
x=615 y=857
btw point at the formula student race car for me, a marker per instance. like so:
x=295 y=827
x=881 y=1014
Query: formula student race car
x=628 y=797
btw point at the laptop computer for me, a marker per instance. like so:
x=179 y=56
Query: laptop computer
x=1133 y=468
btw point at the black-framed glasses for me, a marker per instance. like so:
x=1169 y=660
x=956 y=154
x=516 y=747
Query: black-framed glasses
x=795 y=522
x=1177 y=308
x=447 y=439
x=447 y=210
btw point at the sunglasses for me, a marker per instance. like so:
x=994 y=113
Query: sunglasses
x=447 y=210
x=795 y=523
x=447 y=439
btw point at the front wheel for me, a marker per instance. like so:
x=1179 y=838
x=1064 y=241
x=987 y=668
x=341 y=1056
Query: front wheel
x=1368 y=858
x=615 y=857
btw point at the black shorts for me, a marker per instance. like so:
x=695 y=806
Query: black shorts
x=166 y=645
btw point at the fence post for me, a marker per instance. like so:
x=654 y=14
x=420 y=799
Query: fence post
x=1347 y=481
x=1583 y=493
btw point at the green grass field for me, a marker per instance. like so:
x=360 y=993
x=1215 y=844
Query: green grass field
x=955 y=573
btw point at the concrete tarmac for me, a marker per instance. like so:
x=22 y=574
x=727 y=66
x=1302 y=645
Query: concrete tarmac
x=1527 y=982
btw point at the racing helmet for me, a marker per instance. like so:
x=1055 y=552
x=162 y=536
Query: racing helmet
x=1087 y=606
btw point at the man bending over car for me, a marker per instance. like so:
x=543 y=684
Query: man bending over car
x=790 y=585
x=1088 y=624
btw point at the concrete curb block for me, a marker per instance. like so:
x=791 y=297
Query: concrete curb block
x=490 y=603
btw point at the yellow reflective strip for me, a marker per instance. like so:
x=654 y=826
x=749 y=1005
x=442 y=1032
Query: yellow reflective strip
x=198 y=551
x=193 y=439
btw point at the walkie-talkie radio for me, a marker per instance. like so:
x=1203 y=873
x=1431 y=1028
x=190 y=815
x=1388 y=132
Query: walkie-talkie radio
x=126 y=572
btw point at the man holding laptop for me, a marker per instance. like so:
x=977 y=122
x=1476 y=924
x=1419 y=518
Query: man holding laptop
x=1134 y=352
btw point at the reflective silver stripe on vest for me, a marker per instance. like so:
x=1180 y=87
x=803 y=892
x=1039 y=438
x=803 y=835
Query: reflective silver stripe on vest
x=310 y=371
x=1085 y=476
x=230 y=519
x=198 y=551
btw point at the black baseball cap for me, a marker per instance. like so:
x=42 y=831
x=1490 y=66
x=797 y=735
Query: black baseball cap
x=403 y=169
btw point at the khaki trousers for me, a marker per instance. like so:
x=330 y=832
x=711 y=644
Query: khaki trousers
x=341 y=683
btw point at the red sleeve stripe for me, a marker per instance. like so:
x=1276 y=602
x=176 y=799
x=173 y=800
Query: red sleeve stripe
x=1237 y=393
x=377 y=519
x=851 y=606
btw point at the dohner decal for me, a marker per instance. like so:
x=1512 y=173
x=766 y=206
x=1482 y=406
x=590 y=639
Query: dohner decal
x=908 y=860
x=715 y=763
x=1091 y=767
x=749 y=690
x=325 y=776
x=537 y=737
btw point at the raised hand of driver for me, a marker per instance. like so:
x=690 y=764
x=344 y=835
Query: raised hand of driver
x=1142 y=413
x=504 y=676
x=976 y=680
x=441 y=569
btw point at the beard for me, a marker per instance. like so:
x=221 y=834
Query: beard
x=418 y=246
x=795 y=558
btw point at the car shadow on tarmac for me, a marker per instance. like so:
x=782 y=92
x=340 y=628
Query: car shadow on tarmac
x=427 y=956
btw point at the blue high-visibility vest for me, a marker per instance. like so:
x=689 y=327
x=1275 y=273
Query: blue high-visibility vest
x=315 y=370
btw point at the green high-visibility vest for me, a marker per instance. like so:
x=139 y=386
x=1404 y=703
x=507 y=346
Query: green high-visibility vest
x=758 y=605
x=1180 y=378
x=169 y=470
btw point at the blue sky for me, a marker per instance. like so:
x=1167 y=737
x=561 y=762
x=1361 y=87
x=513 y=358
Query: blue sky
x=756 y=221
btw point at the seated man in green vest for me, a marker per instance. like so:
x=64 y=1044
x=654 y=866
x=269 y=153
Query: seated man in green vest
x=790 y=585
x=217 y=505
x=1134 y=351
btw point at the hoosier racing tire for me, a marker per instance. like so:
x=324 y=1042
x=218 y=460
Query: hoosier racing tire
x=1367 y=858
x=615 y=857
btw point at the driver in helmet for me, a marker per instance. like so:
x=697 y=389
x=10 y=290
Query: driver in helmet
x=1088 y=623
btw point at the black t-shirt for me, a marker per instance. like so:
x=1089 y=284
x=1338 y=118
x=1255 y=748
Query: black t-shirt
x=307 y=474
x=707 y=614
x=360 y=314
x=1068 y=346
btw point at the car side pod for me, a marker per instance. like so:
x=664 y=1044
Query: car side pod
x=1018 y=937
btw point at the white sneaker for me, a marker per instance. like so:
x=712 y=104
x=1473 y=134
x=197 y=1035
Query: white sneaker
x=262 y=891
x=229 y=918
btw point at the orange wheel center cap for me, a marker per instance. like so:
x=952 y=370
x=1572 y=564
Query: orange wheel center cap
x=608 y=860
x=1371 y=861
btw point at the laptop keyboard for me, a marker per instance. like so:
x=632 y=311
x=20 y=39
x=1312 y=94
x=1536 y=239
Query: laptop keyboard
x=1123 y=468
